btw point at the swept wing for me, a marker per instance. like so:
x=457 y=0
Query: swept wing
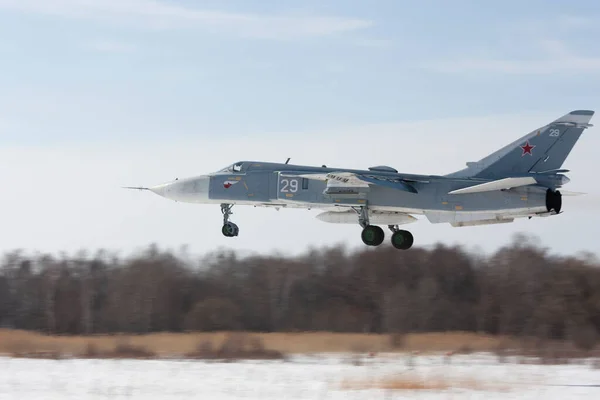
x=352 y=179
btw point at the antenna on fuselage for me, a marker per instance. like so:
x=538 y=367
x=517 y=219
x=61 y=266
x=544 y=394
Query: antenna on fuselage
x=288 y=160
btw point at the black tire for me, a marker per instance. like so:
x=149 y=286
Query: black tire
x=230 y=229
x=226 y=231
x=372 y=235
x=402 y=240
x=553 y=201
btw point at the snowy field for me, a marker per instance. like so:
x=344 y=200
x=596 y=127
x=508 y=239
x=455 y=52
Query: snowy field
x=301 y=377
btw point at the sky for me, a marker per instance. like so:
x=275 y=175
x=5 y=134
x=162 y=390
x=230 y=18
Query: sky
x=100 y=94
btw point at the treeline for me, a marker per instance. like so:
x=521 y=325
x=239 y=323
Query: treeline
x=521 y=290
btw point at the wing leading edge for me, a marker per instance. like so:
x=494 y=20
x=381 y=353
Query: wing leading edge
x=352 y=179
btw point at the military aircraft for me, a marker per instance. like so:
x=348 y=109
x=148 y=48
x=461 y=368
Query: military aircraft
x=517 y=181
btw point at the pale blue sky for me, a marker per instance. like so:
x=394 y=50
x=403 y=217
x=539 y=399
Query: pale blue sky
x=120 y=78
x=373 y=62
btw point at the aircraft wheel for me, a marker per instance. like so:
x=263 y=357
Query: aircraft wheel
x=402 y=240
x=553 y=200
x=230 y=229
x=372 y=235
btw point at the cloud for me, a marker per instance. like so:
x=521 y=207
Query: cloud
x=529 y=47
x=163 y=15
x=4 y=125
x=554 y=47
x=568 y=64
x=374 y=43
x=560 y=24
x=554 y=56
x=577 y=21
x=111 y=46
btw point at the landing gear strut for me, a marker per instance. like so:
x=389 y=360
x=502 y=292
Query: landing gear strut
x=229 y=228
x=373 y=235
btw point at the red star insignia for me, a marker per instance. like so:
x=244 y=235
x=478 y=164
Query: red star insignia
x=527 y=149
x=229 y=183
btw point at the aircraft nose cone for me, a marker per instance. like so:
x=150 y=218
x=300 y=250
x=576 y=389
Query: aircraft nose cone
x=202 y=188
x=188 y=189
x=161 y=189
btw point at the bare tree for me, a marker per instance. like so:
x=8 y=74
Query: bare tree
x=521 y=289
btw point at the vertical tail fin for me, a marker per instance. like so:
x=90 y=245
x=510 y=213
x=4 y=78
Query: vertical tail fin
x=544 y=149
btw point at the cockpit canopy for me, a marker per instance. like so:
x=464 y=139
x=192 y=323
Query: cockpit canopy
x=236 y=167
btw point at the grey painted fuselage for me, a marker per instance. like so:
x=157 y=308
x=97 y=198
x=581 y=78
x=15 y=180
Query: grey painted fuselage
x=519 y=180
x=273 y=184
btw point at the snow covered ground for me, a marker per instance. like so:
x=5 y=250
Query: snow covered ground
x=302 y=377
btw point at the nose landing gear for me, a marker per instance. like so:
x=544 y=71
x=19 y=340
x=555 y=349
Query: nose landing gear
x=229 y=228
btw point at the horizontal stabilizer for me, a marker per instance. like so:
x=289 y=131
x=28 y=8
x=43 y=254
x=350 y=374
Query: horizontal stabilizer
x=569 y=193
x=554 y=171
x=500 y=184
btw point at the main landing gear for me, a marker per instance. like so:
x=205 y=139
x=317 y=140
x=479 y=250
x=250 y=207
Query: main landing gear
x=373 y=235
x=229 y=228
x=401 y=239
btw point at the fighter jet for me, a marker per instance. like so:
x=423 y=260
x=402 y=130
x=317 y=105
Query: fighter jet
x=520 y=180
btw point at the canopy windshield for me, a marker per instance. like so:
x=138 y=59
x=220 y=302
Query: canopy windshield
x=237 y=167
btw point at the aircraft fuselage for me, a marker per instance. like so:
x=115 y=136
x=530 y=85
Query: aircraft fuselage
x=518 y=180
x=279 y=185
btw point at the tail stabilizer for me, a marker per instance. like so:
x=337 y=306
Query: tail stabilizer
x=544 y=149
